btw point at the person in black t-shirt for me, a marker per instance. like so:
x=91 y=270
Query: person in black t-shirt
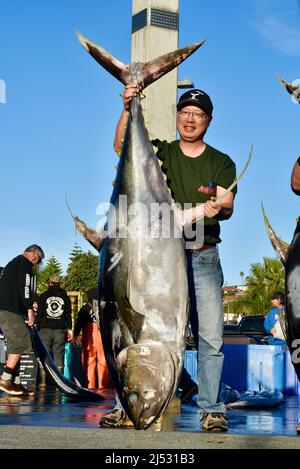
x=16 y=313
x=54 y=319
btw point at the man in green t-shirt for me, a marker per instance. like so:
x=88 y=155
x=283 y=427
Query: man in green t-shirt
x=197 y=174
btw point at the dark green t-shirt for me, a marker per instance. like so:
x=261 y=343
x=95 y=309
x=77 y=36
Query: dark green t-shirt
x=194 y=180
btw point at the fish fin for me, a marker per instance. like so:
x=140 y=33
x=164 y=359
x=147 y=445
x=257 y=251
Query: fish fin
x=281 y=247
x=114 y=66
x=158 y=67
x=133 y=319
x=148 y=72
x=92 y=236
x=77 y=382
x=290 y=88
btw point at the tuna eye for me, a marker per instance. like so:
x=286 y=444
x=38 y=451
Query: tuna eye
x=133 y=398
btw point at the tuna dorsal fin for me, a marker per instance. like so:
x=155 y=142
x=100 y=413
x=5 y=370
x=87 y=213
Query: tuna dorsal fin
x=114 y=66
x=92 y=236
x=143 y=74
x=281 y=247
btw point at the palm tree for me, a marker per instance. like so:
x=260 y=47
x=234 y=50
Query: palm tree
x=242 y=277
x=261 y=283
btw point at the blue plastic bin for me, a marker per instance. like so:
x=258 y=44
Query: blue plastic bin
x=247 y=367
x=73 y=365
x=254 y=367
x=291 y=382
x=190 y=364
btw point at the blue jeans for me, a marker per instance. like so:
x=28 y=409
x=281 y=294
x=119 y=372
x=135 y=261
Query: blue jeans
x=205 y=279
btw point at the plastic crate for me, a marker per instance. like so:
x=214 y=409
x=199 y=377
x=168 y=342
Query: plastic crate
x=254 y=367
x=291 y=382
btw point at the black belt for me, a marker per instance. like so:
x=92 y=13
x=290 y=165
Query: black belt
x=201 y=248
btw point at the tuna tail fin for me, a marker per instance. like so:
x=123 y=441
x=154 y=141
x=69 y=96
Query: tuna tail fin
x=160 y=66
x=281 y=247
x=114 y=66
x=290 y=88
x=147 y=73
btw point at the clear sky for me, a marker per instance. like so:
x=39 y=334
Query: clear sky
x=57 y=125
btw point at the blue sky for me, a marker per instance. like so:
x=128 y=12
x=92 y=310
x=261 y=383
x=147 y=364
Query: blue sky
x=57 y=125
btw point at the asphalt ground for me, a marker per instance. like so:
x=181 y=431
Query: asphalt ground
x=49 y=420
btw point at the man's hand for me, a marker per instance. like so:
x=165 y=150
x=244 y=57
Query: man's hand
x=129 y=92
x=211 y=209
x=31 y=318
x=77 y=339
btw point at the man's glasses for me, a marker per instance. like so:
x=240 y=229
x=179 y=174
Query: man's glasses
x=195 y=115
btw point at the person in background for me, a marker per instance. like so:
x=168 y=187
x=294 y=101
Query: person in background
x=54 y=320
x=16 y=315
x=35 y=303
x=94 y=365
x=273 y=317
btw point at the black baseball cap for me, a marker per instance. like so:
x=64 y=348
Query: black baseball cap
x=196 y=98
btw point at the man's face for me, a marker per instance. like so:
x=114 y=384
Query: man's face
x=33 y=257
x=276 y=302
x=192 y=123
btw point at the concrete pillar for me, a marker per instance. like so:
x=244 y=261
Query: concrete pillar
x=154 y=33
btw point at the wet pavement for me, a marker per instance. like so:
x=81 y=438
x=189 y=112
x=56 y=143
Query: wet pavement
x=49 y=408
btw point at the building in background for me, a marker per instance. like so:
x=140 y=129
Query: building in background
x=155 y=27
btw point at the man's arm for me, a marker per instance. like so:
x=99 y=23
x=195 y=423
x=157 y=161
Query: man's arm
x=226 y=209
x=130 y=91
x=26 y=294
x=295 y=178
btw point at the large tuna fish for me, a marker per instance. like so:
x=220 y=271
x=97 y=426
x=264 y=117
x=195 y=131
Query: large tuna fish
x=290 y=257
x=143 y=294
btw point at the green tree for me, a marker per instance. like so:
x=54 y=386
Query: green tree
x=52 y=267
x=76 y=252
x=263 y=280
x=82 y=273
x=242 y=275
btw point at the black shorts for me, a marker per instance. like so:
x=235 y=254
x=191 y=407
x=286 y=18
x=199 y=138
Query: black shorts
x=16 y=333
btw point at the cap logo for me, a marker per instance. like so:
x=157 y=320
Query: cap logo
x=194 y=95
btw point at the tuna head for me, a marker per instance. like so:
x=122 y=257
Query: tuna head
x=147 y=375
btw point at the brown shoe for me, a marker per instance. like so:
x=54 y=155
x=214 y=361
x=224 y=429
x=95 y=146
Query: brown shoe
x=25 y=391
x=214 y=422
x=117 y=418
x=10 y=388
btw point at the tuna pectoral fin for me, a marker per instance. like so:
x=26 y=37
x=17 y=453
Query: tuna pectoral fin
x=114 y=66
x=281 y=247
x=133 y=319
x=148 y=72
